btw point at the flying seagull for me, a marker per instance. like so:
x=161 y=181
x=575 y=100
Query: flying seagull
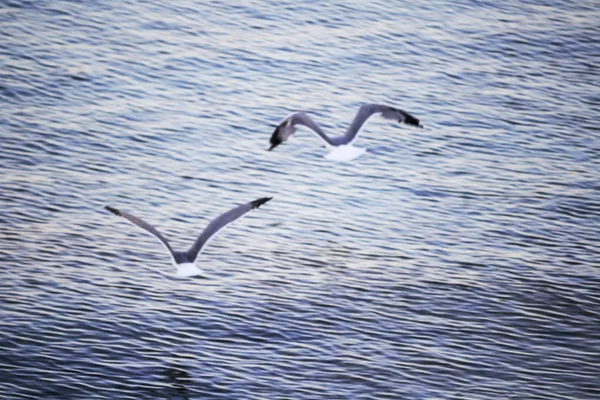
x=185 y=261
x=340 y=146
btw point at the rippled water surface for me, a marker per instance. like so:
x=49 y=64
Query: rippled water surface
x=459 y=261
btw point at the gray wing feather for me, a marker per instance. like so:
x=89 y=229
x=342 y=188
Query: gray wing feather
x=217 y=224
x=301 y=118
x=365 y=112
x=142 y=224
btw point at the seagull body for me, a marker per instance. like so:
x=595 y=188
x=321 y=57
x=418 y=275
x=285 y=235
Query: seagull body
x=341 y=148
x=185 y=261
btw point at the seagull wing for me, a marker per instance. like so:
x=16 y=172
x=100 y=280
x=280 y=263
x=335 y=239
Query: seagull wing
x=363 y=114
x=217 y=224
x=144 y=225
x=301 y=118
x=287 y=128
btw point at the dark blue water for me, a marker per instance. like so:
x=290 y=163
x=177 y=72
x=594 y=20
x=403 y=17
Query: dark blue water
x=459 y=261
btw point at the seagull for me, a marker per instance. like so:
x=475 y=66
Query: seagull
x=341 y=148
x=185 y=261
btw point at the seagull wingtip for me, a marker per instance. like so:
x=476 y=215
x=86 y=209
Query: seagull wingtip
x=112 y=210
x=409 y=119
x=259 y=202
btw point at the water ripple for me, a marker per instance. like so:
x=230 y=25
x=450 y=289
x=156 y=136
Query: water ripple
x=456 y=262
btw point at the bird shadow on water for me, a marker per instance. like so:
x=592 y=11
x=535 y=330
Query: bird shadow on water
x=178 y=382
x=179 y=385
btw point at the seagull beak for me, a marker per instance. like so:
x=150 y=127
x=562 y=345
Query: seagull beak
x=272 y=147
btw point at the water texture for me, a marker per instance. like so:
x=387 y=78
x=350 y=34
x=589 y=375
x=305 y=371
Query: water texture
x=459 y=261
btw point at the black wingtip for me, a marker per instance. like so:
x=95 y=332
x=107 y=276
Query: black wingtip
x=410 y=120
x=275 y=140
x=259 y=202
x=113 y=210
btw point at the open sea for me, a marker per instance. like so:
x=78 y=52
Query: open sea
x=458 y=261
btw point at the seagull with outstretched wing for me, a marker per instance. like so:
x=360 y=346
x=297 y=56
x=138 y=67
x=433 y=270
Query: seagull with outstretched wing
x=341 y=146
x=185 y=261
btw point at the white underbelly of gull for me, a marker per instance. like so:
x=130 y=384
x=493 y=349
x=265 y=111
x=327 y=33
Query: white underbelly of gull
x=341 y=147
x=185 y=261
x=344 y=152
